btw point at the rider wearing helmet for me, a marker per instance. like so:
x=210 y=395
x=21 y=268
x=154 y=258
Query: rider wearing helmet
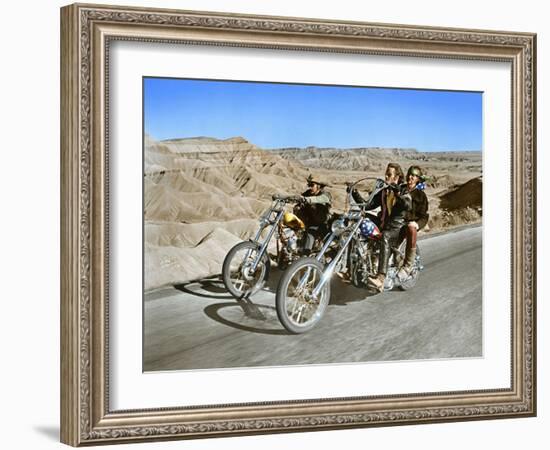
x=417 y=217
x=313 y=209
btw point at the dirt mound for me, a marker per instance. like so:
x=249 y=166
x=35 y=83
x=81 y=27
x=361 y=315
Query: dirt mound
x=467 y=195
x=168 y=265
x=183 y=235
x=461 y=204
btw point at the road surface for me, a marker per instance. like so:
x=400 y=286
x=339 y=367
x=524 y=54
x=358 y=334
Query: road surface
x=200 y=326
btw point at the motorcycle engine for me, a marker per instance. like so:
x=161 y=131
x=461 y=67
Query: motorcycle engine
x=362 y=261
x=361 y=248
x=289 y=247
x=291 y=240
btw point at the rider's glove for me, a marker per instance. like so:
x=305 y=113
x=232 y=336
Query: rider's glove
x=294 y=198
x=394 y=187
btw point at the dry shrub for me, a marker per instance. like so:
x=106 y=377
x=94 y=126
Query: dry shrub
x=448 y=219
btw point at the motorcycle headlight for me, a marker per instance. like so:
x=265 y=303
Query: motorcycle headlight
x=338 y=226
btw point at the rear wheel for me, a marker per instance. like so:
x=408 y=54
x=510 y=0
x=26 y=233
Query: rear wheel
x=237 y=271
x=297 y=308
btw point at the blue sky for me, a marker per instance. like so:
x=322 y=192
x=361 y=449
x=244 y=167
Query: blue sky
x=274 y=115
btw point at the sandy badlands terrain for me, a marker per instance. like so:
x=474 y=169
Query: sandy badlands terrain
x=203 y=195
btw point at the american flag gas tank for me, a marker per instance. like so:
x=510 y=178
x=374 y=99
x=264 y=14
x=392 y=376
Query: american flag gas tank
x=369 y=229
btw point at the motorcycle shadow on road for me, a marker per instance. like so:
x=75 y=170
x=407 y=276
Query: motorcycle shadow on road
x=253 y=314
x=244 y=314
x=344 y=292
x=257 y=318
x=207 y=288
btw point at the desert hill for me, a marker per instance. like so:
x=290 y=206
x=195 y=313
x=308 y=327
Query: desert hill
x=203 y=195
x=467 y=195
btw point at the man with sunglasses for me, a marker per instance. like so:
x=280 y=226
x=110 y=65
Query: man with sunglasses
x=394 y=202
x=313 y=209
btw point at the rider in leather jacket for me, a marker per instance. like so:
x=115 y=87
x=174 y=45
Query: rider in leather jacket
x=417 y=217
x=314 y=210
x=395 y=202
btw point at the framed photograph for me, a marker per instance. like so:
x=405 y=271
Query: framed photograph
x=278 y=224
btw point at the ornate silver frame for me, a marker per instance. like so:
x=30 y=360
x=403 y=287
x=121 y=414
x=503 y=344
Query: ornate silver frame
x=86 y=31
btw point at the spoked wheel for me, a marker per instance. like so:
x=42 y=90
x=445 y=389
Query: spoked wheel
x=410 y=281
x=297 y=308
x=239 y=276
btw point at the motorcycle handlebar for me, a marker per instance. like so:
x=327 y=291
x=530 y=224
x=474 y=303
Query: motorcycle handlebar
x=285 y=198
x=380 y=184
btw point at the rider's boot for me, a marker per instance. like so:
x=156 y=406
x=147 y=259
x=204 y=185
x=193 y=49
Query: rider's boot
x=344 y=276
x=408 y=264
x=378 y=281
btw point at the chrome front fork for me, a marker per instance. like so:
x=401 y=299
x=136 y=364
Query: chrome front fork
x=266 y=241
x=327 y=273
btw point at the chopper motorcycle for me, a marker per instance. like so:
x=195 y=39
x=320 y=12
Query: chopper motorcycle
x=247 y=265
x=304 y=290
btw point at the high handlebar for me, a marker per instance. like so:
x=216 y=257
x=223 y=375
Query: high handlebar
x=378 y=186
x=286 y=198
x=350 y=188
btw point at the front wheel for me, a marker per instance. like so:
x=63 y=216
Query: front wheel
x=297 y=308
x=237 y=271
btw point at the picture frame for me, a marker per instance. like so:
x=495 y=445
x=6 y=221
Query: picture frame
x=87 y=32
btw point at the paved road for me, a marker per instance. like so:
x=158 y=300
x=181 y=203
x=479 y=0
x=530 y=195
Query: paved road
x=199 y=325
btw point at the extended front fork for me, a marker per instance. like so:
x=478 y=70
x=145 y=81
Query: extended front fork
x=327 y=273
x=266 y=241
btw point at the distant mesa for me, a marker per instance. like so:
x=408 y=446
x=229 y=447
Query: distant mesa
x=375 y=158
x=205 y=139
